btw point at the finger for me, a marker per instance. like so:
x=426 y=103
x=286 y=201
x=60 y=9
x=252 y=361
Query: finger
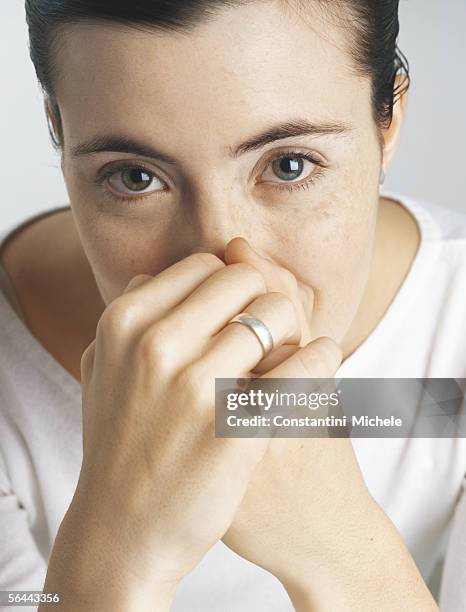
x=87 y=369
x=209 y=308
x=187 y=327
x=175 y=283
x=277 y=278
x=321 y=358
x=146 y=299
x=236 y=350
x=137 y=281
x=87 y=361
x=276 y=357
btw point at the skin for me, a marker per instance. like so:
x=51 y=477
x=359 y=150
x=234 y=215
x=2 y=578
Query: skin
x=310 y=265
x=212 y=198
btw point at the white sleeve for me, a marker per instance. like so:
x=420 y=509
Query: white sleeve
x=22 y=567
x=453 y=587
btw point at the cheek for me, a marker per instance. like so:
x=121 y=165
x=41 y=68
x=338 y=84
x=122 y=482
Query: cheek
x=120 y=241
x=118 y=249
x=330 y=238
x=332 y=252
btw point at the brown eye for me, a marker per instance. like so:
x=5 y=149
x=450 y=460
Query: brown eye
x=134 y=180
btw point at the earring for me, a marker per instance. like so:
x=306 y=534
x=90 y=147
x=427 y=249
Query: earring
x=382 y=177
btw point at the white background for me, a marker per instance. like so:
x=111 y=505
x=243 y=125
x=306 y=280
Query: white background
x=431 y=162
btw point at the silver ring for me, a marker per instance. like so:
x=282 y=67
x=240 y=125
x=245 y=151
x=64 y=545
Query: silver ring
x=260 y=329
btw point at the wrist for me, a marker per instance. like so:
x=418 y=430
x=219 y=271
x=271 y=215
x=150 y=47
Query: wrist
x=75 y=597
x=366 y=567
x=91 y=573
x=105 y=590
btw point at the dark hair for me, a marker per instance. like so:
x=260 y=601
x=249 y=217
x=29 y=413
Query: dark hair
x=373 y=24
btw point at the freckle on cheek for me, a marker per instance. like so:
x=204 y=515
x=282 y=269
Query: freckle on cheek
x=327 y=225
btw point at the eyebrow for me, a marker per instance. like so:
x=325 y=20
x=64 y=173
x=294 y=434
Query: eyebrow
x=289 y=129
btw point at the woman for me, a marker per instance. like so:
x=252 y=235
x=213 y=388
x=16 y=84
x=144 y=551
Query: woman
x=222 y=158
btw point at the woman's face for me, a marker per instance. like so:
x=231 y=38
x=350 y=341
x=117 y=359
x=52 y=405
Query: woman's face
x=176 y=143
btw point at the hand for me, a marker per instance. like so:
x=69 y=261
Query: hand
x=282 y=280
x=307 y=516
x=157 y=489
x=298 y=489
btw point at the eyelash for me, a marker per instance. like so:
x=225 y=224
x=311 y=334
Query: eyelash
x=306 y=183
x=104 y=175
x=290 y=187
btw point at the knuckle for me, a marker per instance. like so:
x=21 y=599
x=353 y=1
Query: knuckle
x=196 y=387
x=88 y=351
x=156 y=346
x=282 y=302
x=87 y=357
x=117 y=317
x=329 y=352
x=289 y=278
x=136 y=281
x=330 y=347
x=250 y=275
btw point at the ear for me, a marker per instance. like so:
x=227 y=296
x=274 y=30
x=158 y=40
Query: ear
x=53 y=120
x=391 y=135
x=54 y=125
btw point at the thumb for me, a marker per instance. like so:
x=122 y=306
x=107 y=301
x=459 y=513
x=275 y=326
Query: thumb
x=239 y=250
x=277 y=278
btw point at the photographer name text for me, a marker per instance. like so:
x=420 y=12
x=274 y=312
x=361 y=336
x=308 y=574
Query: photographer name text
x=307 y=421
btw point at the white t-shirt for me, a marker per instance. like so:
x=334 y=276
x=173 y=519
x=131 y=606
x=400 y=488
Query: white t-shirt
x=420 y=483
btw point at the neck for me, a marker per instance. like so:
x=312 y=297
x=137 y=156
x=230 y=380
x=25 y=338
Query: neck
x=396 y=243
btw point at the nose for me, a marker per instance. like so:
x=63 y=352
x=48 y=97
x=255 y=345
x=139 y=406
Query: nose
x=214 y=221
x=201 y=248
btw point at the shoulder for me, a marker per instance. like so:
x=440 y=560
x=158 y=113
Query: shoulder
x=443 y=230
x=440 y=221
x=434 y=217
x=442 y=270
x=28 y=252
x=42 y=259
x=450 y=227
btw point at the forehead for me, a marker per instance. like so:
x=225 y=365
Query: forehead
x=247 y=66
